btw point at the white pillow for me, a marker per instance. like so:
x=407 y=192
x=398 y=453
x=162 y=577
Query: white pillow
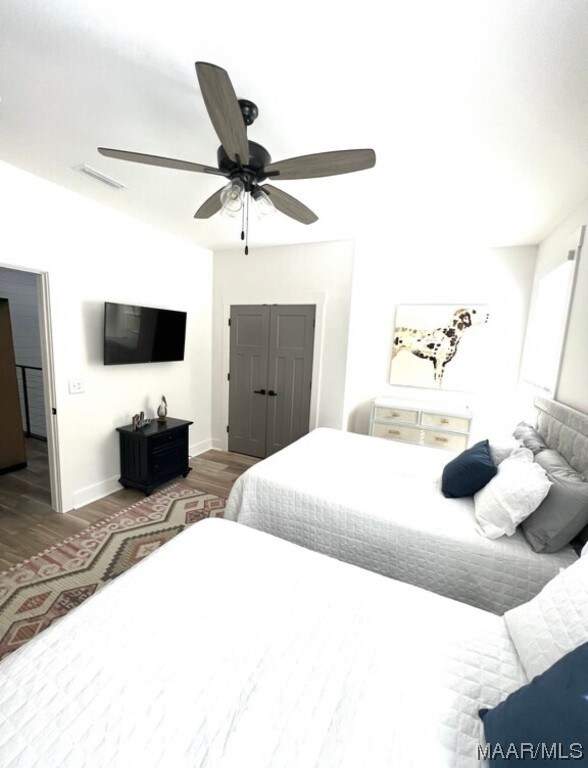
x=501 y=449
x=513 y=493
x=553 y=623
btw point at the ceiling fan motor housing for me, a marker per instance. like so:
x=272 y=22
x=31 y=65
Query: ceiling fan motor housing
x=259 y=157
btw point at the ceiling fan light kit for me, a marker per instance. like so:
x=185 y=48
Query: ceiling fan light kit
x=247 y=164
x=232 y=197
x=263 y=203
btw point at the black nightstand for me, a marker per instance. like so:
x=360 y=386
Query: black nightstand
x=151 y=455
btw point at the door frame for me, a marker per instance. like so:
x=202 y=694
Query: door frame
x=319 y=299
x=46 y=334
x=46 y=342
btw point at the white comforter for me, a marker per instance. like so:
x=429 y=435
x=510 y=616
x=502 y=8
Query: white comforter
x=228 y=648
x=378 y=504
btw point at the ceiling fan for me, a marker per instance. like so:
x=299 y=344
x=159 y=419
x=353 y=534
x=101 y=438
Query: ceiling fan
x=245 y=163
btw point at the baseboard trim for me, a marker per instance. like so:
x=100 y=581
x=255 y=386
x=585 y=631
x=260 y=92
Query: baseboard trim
x=95 y=492
x=218 y=445
x=198 y=448
x=106 y=487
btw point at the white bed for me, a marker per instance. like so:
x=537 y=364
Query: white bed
x=378 y=504
x=230 y=648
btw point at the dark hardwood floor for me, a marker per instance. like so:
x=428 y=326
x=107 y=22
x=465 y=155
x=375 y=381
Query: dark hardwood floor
x=28 y=525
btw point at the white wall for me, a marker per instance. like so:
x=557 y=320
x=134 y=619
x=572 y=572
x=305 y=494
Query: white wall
x=318 y=273
x=93 y=254
x=386 y=274
x=573 y=382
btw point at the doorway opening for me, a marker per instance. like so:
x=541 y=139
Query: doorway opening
x=26 y=294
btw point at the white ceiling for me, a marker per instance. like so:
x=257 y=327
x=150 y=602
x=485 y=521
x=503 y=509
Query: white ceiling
x=477 y=109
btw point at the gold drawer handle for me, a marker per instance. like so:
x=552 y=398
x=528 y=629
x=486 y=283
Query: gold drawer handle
x=441 y=440
x=444 y=421
x=394 y=415
x=393 y=431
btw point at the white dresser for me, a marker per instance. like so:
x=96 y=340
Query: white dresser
x=419 y=422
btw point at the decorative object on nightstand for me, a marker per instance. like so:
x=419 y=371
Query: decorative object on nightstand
x=153 y=455
x=419 y=422
x=162 y=409
x=139 y=420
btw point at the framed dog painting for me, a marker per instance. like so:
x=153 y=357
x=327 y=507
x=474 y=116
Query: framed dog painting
x=439 y=346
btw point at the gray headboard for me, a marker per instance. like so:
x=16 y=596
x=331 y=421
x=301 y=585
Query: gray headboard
x=566 y=430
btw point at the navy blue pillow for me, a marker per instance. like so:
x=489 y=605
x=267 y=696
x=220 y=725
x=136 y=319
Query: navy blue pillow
x=468 y=472
x=549 y=713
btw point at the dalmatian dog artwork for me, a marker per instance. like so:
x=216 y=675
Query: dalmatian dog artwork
x=438 y=345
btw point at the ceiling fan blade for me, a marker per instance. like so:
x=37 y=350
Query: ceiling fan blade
x=210 y=206
x=322 y=164
x=290 y=205
x=163 y=162
x=224 y=110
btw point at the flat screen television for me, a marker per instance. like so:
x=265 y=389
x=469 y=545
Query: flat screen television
x=142 y=334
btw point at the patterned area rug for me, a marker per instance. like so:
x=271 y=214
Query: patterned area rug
x=37 y=591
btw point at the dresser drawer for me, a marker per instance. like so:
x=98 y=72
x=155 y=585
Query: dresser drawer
x=449 y=440
x=163 y=442
x=396 y=414
x=393 y=432
x=454 y=423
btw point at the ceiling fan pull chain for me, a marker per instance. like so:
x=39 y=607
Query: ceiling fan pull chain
x=247 y=226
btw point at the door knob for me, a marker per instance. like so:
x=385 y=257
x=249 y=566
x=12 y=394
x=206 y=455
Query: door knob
x=259 y=391
x=271 y=393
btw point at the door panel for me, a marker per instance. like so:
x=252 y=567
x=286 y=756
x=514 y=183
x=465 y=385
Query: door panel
x=249 y=361
x=291 y=343
x=270 y=376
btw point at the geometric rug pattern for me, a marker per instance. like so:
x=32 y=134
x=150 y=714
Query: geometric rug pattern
x=45 y=587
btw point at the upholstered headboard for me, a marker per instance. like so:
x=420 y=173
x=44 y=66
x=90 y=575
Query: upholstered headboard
x=566 y=430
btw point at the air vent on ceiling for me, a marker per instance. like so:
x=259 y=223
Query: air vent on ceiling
x=87 y=170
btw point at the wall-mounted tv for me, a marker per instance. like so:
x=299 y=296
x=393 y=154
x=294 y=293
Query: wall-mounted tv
x=142 y=334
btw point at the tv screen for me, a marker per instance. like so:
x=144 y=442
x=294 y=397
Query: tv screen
x=142 y=334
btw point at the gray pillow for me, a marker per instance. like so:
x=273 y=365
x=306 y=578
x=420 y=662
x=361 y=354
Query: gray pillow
x=564 y=511
x=554 y=463
x=529 y=437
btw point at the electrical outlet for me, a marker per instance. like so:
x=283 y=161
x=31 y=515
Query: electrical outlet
x=76 y=386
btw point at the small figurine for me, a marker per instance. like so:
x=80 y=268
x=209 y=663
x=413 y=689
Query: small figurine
x=139 y=420
x=162 y=409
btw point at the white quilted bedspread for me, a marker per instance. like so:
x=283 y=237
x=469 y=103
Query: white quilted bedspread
x=228 y=648
x=553 y=623
x=378 y=504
